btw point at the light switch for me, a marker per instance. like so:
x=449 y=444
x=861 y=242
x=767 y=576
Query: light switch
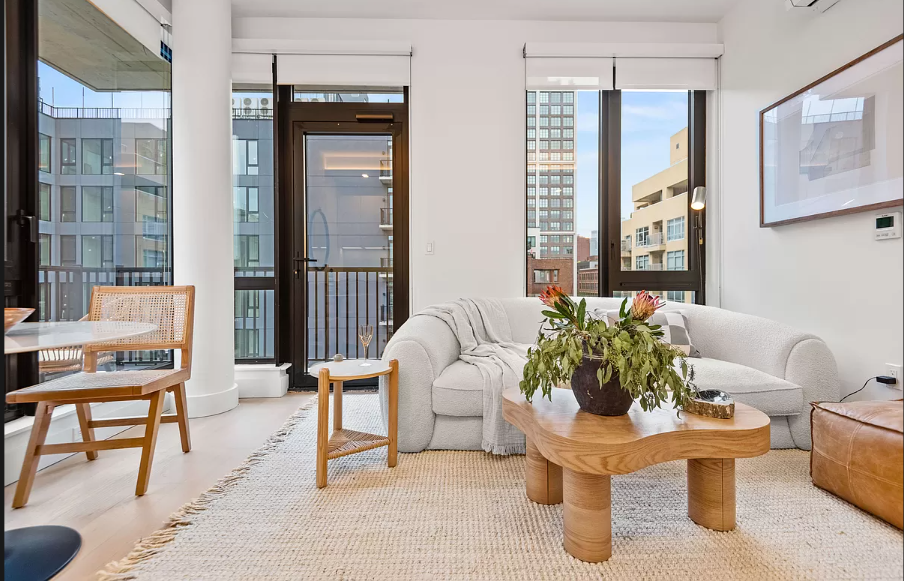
x=429 y=248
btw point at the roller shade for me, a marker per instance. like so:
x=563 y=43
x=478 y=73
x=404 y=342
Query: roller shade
x=680 y=74
x=343 y=70
x=569 y=73
x=252 y=68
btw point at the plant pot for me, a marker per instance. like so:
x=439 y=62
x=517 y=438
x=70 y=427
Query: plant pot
x=608 y=400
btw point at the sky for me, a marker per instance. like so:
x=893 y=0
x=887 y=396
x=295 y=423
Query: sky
x=649 y=119
x=59 y=90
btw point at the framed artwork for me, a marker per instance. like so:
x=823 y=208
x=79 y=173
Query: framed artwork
x=835 y=146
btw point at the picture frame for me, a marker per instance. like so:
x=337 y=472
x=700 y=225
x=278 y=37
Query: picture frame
x=836 y=146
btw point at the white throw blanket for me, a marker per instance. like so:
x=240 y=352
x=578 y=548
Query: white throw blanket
x=483 y=331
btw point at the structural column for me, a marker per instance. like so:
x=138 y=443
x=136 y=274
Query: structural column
x=202 y=194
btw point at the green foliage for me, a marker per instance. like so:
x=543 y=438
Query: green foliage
x=629 y=350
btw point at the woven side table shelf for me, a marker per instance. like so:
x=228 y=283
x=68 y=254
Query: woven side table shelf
x=343 y=442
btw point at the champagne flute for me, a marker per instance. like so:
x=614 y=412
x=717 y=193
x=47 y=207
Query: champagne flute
x=366 y=334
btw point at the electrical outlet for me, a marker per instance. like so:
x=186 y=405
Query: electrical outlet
x=894 y=371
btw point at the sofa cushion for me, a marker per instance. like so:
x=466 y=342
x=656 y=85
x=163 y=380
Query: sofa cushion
x=770 y=395
x=458 y=391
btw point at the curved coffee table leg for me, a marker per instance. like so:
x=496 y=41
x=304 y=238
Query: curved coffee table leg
x=588 y=516
x=711 y=492
x=544 y=478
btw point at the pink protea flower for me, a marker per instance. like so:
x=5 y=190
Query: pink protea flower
x=644 y=305
x=552 y=295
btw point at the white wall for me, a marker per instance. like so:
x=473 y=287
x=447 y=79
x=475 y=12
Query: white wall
x=820 y=276
x=467 y=135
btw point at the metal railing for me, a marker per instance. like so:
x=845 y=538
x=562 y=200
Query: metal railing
x=651 y=266
x=65 y=291
x=249 y=113
x=385 y=216
x=104 y=112
x=339 y=300
x=650 y=240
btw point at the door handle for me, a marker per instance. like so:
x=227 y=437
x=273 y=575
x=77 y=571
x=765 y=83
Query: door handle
x=28 y=222
x=301 y=260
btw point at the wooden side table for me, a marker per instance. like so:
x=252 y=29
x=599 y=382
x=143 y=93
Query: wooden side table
x=342 y=441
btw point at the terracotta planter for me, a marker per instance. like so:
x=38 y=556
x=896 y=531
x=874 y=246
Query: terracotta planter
x=608 y=400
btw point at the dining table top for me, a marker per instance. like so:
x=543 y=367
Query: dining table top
x=26 y=337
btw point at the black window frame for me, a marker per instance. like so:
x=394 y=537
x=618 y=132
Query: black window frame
x=106 y=194
x=105 y=163
x=105 y=262
x=68 y=193
x=66 y=163
x=43 y=140
x=42 y=189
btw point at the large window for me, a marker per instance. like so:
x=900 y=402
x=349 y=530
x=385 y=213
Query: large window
x=97 y=251
x=253 y=216
x=97 y=156
x=150 y=156
x=97 y=204
x=44 y=153
x=44 y=201
x=106 y=116
x=68 y=159
x=652 y=143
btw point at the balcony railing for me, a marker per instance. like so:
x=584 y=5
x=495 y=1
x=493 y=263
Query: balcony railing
x=65 y=291
x=249 y=113
x=104 y=112
x=651 y=266
x=626 y=245
x=650 y=240
x=339 y=300
x=385 y=216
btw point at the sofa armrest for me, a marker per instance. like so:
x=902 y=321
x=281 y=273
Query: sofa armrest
x=811 y=366
x=424 y=346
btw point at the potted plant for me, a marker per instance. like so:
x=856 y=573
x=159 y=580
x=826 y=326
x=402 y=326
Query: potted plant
x=609 y=363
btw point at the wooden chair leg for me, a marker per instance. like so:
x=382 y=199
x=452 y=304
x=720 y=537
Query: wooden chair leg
x=30 y=465
x=182 y=415
x=84 y=421
x=150 y=442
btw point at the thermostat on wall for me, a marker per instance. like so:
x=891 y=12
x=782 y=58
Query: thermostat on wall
x=888 y=226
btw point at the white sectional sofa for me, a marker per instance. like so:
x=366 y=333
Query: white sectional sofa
x=762 y=363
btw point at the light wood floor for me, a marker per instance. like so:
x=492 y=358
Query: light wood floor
x=97 y=498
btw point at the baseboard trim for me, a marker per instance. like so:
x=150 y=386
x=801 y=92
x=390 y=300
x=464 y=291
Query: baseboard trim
x=262 y=380
x=211 y=404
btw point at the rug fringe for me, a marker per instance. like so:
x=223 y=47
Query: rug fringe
x=150 y=546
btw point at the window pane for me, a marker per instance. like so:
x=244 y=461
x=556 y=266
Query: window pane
x=254 y=324
x=569 y=257
x=654 y=174
x=252 y=179
x=109 y=226
x=44 y=202
x=44 y=152
x=347 y=95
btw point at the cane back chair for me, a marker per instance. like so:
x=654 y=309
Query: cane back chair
x=171 y=309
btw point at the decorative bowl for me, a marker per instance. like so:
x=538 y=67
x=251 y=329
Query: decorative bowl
x=12 y=317
x=712 y=403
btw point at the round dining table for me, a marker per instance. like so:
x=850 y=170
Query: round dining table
x=40 y=552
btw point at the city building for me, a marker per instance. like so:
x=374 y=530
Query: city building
x=654 y=237
x=551 y=170
x=103 y=208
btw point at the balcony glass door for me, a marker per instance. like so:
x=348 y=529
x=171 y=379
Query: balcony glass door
x=349 y=243
x=349 y=230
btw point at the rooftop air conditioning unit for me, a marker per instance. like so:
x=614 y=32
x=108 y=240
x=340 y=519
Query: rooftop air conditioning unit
x=265 y=103
x=811 y=5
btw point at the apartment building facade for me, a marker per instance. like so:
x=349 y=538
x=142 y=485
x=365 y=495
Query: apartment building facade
x=551 y=201
x=654 y=237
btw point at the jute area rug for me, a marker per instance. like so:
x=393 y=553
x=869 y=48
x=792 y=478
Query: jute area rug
x=464 y=515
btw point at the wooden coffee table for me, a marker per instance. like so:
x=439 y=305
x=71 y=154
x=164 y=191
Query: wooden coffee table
x=571 y=456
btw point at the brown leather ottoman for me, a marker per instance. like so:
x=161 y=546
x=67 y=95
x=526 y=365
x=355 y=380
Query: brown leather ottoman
x=858 y=454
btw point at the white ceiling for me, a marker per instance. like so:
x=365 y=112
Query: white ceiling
x=599 y=10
